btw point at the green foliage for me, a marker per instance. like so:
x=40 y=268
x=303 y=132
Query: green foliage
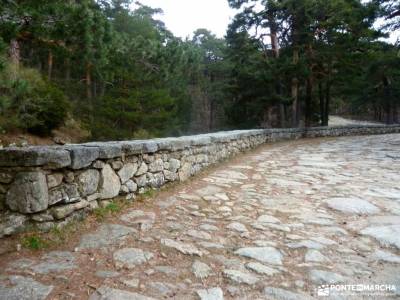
x=122 y=74
x=109 y=209
x=34 y=242
x=33 y=104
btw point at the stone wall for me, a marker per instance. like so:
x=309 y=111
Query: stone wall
x=46 y=186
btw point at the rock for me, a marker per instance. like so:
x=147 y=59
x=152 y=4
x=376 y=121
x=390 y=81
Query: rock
x=110 y=184
x=184 y=248
x=326 y=277
x=132 y=283
x=141 y=181
x=145 y=220
x=281 y=294
x=306 y=244
x=261 y=269
x=170 y=176
x=72 y=192
x=352 y=206
x=42 y=217
x=268 y=255
x=199 y=234
x=5 y=178
x=106 y=235
x=127 y=172
x=155 y=180
x=200 y=269
x=315 y=256
x=142 y=169
x=23 y=288
x=117 y=165
x=98 y=164
x=267 y=219
x=35 y=156
x=381 y=255
x=28 y=193
x=107 y=293
x=240 y=277
x=211 y=294
x=174 y=165
x=54 y=180
x=55 y=262
x=208 y=227
x=156 y=166
x=131 y=185
x=88 y=182
x=239 y=227
x=60 y=212
x=184 y=172
x=69 y=177
x=93 y=197
x=129 y=258
x=82 y=156
x=11 y=223
x=107 y=274
x=162 y=288
x=386 y=235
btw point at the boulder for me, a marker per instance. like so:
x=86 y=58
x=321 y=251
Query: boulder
x=28 y=193
x=110 y=183
x=127 y=172
x=88 y=182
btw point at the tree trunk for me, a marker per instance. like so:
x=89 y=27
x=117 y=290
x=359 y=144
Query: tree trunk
x=88 y=81
x=15 y=57
x=308 y=102
x=295 y=92
x=67 y=66
x=49 y=65
x=321 y=103
x=327 y=103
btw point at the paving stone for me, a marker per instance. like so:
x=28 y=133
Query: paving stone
x=200 y=269
x=239 y=227
x=106 y=235
x=241 y=277
x=23 y=288
x=352 y=206
x=199 y=234
x=282 y=294
x=261 y=269
x=381 y=255
x=129 y=258
x=107 y=293
x=211 y=294
x=315 y=256
x=55 y=262
x=386 y=235
x=184 y=248
x=326 y=277
x=269 y=255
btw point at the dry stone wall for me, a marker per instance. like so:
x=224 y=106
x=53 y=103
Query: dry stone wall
x=46 y=186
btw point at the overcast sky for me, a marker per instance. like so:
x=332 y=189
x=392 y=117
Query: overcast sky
x=183 y=17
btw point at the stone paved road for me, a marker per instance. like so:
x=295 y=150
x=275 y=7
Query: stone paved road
x=272 y=224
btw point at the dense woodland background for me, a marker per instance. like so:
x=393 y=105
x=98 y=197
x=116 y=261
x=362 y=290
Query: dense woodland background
x=108 y=69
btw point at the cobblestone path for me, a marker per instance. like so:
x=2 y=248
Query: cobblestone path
x=274 y=223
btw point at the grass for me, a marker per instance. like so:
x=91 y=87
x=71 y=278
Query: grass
x=109 y=209
x=34 y=242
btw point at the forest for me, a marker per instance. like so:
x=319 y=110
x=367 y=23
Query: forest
x=111 y=69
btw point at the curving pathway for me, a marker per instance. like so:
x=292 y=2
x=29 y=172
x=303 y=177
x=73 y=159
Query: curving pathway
x=274 y=223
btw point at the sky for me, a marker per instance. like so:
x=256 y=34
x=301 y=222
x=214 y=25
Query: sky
x=183 y=17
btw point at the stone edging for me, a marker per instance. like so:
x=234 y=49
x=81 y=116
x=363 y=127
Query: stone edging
x=51 y=185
